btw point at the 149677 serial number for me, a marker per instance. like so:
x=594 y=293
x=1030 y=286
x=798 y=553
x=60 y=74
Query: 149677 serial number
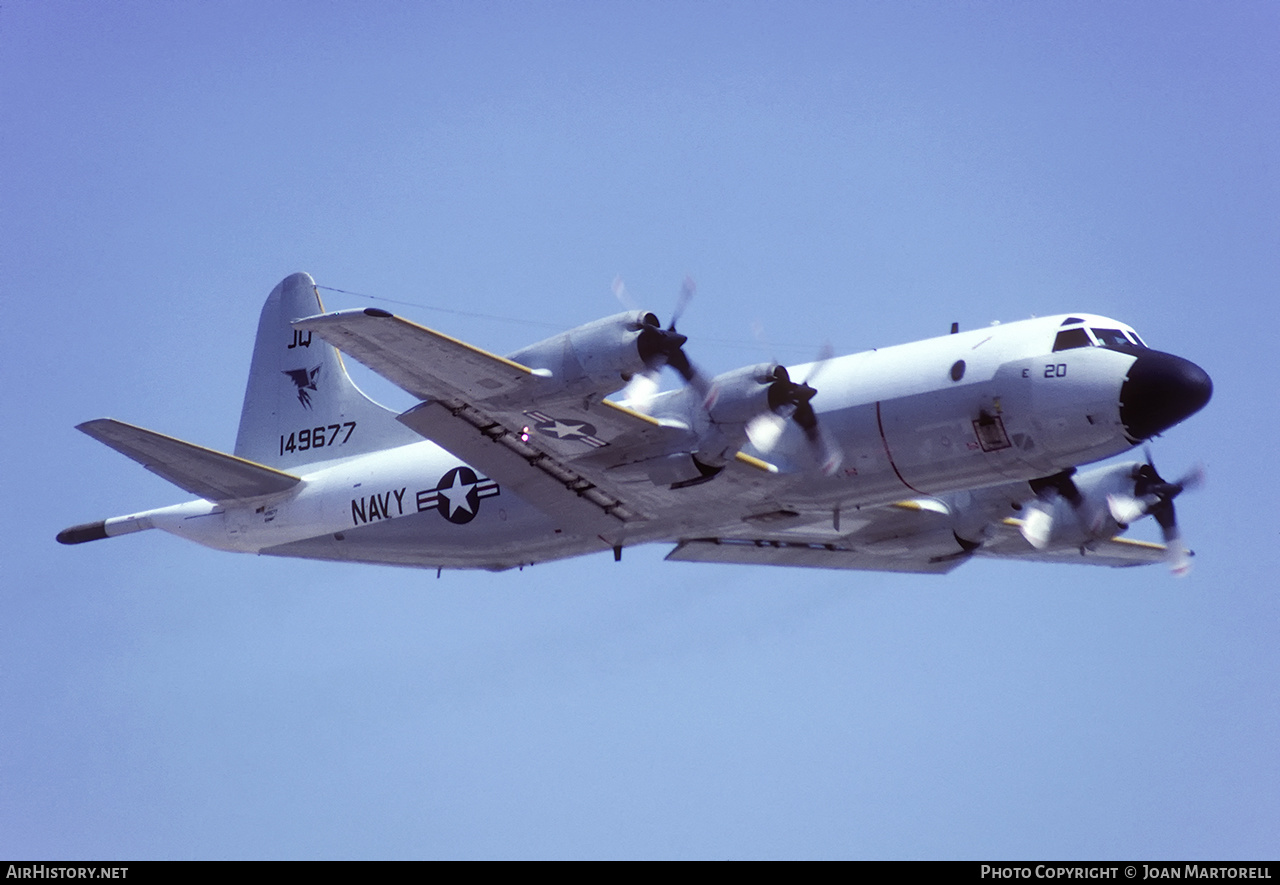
x=317 y=437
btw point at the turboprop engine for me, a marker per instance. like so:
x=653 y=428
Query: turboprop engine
x=740 y=396
x=601 y=356
x=754 y=404
x=1099 y=504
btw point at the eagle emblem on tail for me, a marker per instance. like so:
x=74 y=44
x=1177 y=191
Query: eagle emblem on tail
x=306 y=380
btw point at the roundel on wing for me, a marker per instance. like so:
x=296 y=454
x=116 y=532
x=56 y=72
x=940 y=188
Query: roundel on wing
x=563 y=428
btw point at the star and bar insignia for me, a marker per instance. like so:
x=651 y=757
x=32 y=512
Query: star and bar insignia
x=566 y=428
x=458 y=494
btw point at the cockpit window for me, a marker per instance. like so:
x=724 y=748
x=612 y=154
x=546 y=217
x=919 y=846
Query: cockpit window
x=1111 y=338
x=1069 y=338
x=1082 y=337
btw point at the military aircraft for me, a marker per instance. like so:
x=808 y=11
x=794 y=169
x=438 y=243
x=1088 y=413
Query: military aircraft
x=914 y=458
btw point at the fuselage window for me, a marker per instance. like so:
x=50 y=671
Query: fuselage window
x=1069 y=338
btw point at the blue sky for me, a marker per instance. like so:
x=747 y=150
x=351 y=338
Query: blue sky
x=864 y=173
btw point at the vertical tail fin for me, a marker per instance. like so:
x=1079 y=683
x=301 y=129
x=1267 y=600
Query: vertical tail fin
x=300 y=405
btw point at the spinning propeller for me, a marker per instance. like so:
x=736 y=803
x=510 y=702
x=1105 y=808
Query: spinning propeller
x=793 y=399
x=660 y=347
x=786 y=398
x=1037 y=525
x=1153 y=495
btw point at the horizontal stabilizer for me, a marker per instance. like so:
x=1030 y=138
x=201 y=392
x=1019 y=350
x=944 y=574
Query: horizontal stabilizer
x=211 y=475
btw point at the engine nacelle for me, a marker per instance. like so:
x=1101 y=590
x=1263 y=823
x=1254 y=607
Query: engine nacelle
x=1089 y=519
x=596 y=358
x=734 y=400
x=737 y=397
x=1097 y=487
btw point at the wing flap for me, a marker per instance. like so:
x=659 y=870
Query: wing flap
x=206 y=473
x=791 y=553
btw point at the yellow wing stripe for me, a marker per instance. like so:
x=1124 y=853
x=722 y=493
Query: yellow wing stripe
x=758 y=464
x=1132 y=542
x=471 y=347
x=632 y=412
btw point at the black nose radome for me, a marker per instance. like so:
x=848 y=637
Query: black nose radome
x=1160 y=390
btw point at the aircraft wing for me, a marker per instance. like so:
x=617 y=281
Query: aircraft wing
x=1007 y=543
x=423 y=361
x=566 y=455
x=909 y=536
x=434 y=366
